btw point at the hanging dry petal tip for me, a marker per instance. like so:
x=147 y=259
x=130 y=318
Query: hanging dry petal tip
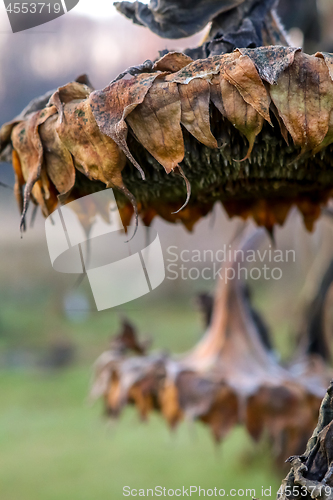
x=188 y=189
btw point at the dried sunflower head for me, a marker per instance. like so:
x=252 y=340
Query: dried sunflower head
x=252 y=129
x=231 y=376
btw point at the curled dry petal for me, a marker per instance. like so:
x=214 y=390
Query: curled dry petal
x=242 y=73
x=156 y=124
x=271 y=61
x=172 y=62
x=58 y=159
x=303 y=96
x=94 y=153
x=243 y=116
x=68 y=93
x=112 y=106
x=194 y=99
x=29 y=148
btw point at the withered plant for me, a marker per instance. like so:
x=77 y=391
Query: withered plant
x=243 y=119
x=231 y=377
x=251 y=128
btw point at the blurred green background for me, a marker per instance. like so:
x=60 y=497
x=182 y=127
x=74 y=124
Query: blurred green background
x=54 y=443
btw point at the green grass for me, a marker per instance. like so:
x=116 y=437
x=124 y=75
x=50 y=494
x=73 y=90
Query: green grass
x=54 y=446
x=172 y=326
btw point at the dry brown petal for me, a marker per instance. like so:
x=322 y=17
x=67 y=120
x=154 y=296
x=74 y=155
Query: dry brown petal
x=202 y=68
x=188 y=216
x=223 y=414
x=281 y=409
x=27 y=143
x=304 y=99
x=310 y=210
x=268 y=213
x=94 y=153
x=68 y=93
x=169 y=402
x=242 y=115
x=19 y=179
x=142 y=399
x=173 y=62
x=194 y=98
x=240 y=208
x=113 y=396
x=87 y=208
x=148 y=215
x=243 y=75
x=328 y=58
x=156 y=124
x=215 y=94
x=271 y=61
x=254 y=419
x=45 y=194
x=126 y=212
x=58 y=160
x=112 y=105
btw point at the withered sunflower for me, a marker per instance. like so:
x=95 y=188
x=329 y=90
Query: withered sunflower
x=243 y=119
x=232 y=376
x=251 y=128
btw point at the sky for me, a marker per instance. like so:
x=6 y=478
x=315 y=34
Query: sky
x=91 y=8
x=97 y=8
